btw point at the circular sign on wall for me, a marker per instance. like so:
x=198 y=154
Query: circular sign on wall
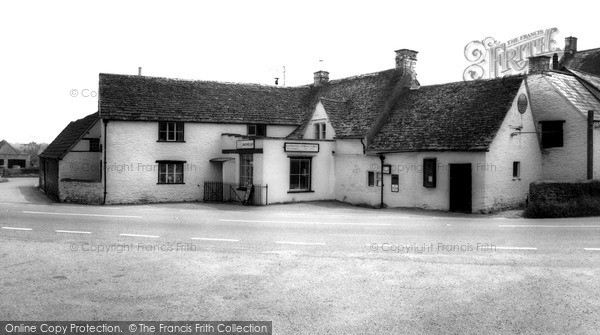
x=522 y=103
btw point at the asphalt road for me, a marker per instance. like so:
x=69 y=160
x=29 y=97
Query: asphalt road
x=310 y=268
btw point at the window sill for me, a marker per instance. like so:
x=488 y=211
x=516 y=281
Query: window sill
x=170 y=141
x=301 y=191
x=516 y=179
x=170 y=183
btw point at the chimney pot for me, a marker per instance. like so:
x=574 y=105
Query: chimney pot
x=570 y=45
x=555 y=65
x=139 y=71
x=321 y=78
x=538 y=64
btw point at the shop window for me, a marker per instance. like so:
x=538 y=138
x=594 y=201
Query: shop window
x=429 y=172
x=257 y=130
x=170 y=131
x=374 y=179
x=320 y=131
x=552 y=134
x=395 y=183
x=246 y=170
x=170 y=172
x=94 y=144
x=300 y=173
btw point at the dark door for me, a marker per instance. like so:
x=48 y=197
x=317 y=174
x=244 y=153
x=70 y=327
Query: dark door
x=460 y=188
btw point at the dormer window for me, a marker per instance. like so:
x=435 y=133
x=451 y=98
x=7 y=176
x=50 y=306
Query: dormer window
x=320 y=131
x=257 y=130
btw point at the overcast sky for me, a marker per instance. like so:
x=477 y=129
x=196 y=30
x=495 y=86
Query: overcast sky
x=50 y=48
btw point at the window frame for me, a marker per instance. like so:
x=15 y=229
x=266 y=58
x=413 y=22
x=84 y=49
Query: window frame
x=245 y=168
x=374 y=179
x=395 y=182
x=516 y=170
x=260 y=130
x=308 y=187
x=550 y=137
x=320 y=129
x=168 y=128
x=97 y=146
x=167 y=171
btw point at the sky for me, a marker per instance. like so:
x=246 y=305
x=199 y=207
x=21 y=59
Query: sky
x=51 y=52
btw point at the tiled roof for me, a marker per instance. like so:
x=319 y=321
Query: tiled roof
x=354 y=103
x=461 y=116
x=7 y=149
x=586 y=60
x=142 y=98
x=572 y=89
x=69 y=137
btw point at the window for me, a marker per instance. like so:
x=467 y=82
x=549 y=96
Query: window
x=300 y=172
x=246 y=169
x=170 y=172
x=429 y=172
x=257 y=130
x=320 y=131
x=395 y=183
x=1 y=162
x=516 y=169
x=374 y=179
x=170 y=131
x=552 y=134
x=94 y=144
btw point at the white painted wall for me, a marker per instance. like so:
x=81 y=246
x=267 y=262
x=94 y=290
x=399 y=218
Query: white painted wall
x=132 y=171
x=319 y=116
x=279 y=131
x=501 y=189
x=276 y=170
x=568 y=162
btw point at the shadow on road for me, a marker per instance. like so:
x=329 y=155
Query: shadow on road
x=33 y=195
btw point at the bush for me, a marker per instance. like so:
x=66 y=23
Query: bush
x=582 y=206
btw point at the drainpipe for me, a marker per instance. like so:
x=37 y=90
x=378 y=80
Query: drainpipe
x=590 y=145
x=104 y=149
x=382 y=159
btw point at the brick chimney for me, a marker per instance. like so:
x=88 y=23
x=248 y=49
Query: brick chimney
x=405 y=63
x=321 y=78
x=570 y=45
x=538 y=64
x=555 y=62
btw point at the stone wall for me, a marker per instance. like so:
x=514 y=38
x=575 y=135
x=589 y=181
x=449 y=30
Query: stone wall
x=81 y=191
x=562 y=192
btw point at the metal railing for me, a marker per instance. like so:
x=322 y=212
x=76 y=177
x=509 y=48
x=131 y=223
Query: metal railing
x=216 y=191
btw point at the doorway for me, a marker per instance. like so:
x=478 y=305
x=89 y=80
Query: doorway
x=460 y=188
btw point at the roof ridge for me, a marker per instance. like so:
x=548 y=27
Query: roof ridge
x=200 y=81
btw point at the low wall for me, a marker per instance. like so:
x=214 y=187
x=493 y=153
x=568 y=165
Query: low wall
x=563 y=199
x=81 y=191
x=554 y=191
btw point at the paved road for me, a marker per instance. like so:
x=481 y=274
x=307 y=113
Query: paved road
x=315 y=267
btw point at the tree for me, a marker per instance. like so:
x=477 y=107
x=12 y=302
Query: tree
x=33 y=149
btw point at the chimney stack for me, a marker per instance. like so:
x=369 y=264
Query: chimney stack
x=139 y=71
x=570 y=45
x=405 y=63
x=538 y=64
x=321 y=78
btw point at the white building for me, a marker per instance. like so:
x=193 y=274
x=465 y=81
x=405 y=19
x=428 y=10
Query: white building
x=375 y=139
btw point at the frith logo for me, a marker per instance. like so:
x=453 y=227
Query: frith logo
x=492 y=59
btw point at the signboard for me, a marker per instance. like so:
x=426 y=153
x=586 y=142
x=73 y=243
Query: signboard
x=301 y=147
x=386 y=168
x=245 y=144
